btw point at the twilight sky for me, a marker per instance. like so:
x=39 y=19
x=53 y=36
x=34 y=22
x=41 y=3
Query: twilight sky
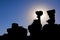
x=19 y=11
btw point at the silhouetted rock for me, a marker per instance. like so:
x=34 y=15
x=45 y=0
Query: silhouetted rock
x=51 y=26
x=35 y=27
x=58 y=30
x=19 y=33
x=51 y=14
x=1 y=38
x=5 y=37
x=39 y=14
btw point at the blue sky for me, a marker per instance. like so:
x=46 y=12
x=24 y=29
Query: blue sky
x=15 y=11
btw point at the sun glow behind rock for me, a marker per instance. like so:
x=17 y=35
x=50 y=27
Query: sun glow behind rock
x=35 y=8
